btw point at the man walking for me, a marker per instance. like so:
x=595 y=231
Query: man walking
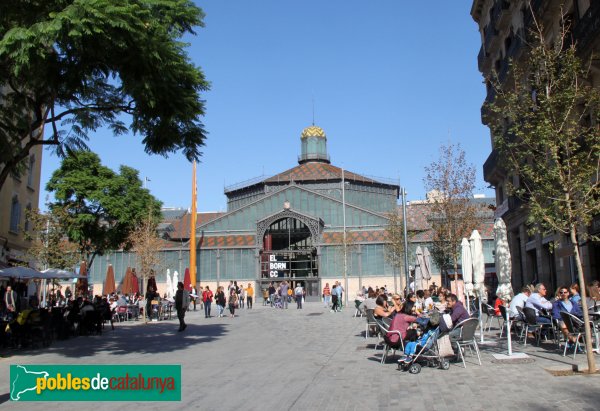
x=249 y=296
x=284 y=294
x=299 y=294
x=182 y=301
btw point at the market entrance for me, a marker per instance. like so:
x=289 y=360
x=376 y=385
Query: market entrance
x=289 y=254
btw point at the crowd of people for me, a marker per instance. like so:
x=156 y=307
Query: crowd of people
x=279 y=295
x=548 y=307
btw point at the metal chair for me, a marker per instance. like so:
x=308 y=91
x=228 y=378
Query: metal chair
x=358 y=312
x=388 y=345
x=491 y=314
x=466 y=337
x=577 y=330
x=371 y=322
x=532 y=325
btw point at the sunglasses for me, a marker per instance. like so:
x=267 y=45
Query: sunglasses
x=564 y=292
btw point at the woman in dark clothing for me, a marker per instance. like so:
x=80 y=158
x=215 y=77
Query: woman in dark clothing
x=233 y=298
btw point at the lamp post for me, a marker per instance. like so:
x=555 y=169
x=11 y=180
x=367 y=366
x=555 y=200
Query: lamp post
x=406 y=270
x=345 y=247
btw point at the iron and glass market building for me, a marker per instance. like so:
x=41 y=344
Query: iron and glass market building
x=290 y=226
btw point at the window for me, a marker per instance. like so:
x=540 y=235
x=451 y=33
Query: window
x=15 y=215
x=30 y=171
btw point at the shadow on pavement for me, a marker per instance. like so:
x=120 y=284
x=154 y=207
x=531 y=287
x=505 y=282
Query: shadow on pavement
x=149 y=338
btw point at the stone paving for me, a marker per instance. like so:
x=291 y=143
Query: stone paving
x=309 y=359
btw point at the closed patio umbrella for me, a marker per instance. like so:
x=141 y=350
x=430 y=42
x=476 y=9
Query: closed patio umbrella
x=127 y=285
x=135 y=282
x=174 y=283
x=109 y=281
x=419 y=266
x=169 y=284
x=478 y=271
x=187 y=282
x=467 y=269
x=427 y=265
x=82 y=283
x=503 y=271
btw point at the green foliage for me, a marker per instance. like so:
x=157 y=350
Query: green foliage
x=77 y=65
x=49 y=245
x=103 y=207
x=546 y=131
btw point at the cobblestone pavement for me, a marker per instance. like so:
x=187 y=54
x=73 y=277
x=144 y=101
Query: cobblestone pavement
x=293 y=359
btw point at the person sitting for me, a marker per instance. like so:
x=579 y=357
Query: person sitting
x=369 y=302
x=519 y=300
x=575 y=296
x=562 y=303
x=538 y=302
x=383 y=309
x=442 y=303
x=401 y=323
x=458 y=313
x=428 y=300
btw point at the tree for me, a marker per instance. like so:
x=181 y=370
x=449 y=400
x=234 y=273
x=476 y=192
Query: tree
x=394 y=248
x=75 y=66
x=146 y=245
x=102 y=207
x=454 y=214
x=546 y=131
x=49 y=246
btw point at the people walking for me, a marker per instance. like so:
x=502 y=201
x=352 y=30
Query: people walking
x=182 y=302
x=326 y=295
x=283 y=289
x=249 y=295
x=220 y=300
x=334 y=299
x=233 y=301
x=207 y=297
x=299 y=294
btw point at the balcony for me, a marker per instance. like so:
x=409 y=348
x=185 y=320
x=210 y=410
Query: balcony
x=489 y=33
x=490 y=167
x=483 y=61
x=500 y=13
x=588 y=27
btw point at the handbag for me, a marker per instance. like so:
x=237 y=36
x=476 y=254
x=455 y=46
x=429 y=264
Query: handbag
x=445 y=346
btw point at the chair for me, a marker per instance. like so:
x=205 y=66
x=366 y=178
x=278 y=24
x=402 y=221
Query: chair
x=358 y=312
x=384 y=330
x=532 y=325
x=122 y=313
x=577 y=330
x=371 y=322
x=491 y=314
x=466 y=337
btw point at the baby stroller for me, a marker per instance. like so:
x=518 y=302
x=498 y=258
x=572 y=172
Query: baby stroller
x=278 y=303
x=423 y=352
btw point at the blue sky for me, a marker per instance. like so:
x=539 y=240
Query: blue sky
x=391 y=80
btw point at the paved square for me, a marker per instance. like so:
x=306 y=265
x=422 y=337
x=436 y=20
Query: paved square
x=309 y=359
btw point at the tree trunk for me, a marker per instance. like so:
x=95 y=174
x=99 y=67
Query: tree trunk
x=586 y=318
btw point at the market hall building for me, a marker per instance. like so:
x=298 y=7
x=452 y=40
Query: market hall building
x=291 y=227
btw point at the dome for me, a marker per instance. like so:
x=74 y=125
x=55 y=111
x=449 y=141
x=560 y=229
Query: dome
x=313 y=131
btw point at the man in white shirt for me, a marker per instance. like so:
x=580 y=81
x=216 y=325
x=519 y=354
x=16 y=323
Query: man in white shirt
x=537 y=301
x=519 y=301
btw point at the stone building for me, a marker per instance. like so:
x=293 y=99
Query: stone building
x=504 y=27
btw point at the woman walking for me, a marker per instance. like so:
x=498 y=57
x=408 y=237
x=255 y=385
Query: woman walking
x=326 y=295
x=233 y=300
x=220 y=300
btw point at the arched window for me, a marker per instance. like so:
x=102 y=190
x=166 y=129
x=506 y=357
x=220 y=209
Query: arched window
x=15 y=214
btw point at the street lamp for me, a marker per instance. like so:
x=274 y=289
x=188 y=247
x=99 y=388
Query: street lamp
x=406 y=270
x=345 y=247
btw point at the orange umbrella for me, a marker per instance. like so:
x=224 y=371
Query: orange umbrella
x=187 y=282
x=82 y=283
x=135 y=284
x=109 y=282
x=126 y=285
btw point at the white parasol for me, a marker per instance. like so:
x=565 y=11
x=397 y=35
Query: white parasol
x=467 y=269
x=174 y=283
x=427 y=265
x=478 y=271
x=169 y=284
x=503 y=271
x=419 y=266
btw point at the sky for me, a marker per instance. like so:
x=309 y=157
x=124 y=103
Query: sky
x=391 y=82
